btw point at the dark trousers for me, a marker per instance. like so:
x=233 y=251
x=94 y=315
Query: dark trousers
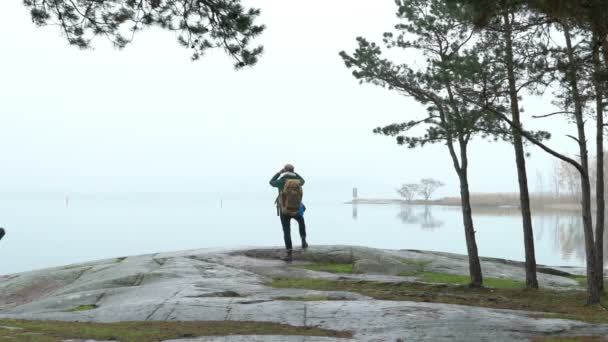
x=286 y=223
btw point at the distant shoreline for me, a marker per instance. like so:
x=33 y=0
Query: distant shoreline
x=498 y=201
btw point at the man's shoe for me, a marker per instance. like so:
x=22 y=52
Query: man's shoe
x=288 y=256
x=304 y=244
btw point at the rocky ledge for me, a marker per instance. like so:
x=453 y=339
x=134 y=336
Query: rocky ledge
x=234 y=285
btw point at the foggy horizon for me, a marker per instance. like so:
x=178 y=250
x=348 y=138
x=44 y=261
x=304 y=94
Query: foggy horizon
x=147 y=119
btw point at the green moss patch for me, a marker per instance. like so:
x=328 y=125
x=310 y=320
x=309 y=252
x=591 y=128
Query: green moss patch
x=305 y=299
x=561 y=304
x=330 y=267
x=82 y=308
x=47 y=331
x=581 y=280
x=303 y=283
x=576 y=315
x=444 y=278
x=419 y=263
x=570 y=339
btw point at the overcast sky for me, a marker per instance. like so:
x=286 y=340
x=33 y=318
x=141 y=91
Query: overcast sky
x=148 y=119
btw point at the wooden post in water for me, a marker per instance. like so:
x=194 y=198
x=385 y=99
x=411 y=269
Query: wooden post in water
x=355 y=197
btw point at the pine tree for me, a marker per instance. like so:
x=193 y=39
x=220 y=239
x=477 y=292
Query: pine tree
x=590 y=17
x=201 y=24
x=447 y=43
x=513 y=39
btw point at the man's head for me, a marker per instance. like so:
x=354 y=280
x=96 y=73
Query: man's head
x=289 y=168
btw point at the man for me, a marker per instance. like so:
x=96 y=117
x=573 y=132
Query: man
x=280 y=180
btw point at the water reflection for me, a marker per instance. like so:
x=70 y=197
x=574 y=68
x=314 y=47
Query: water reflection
x=419 y=215
x=558 y=232
x=561 y=229
x=571 y=237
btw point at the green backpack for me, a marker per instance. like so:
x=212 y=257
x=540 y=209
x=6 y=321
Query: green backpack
x=291 y=197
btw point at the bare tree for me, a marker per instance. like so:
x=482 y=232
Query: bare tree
x=428 y=187
x=555 y=179
x=409 y=191
x=540 y=183
x=570 y=179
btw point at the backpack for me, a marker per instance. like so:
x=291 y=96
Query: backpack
x=291 y=197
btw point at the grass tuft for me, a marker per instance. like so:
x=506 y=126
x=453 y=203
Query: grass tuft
x=82 y=308
x=445 y=278
x=570 y=339
x=330 y=267
x=420 y=263
x=305 y=299
x=303 y=283
x=582 y=280
x=48 y=331
x=506 y=295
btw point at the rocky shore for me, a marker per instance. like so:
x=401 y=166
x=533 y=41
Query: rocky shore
x=236 y=285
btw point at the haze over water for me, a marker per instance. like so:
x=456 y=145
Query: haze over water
x=43 y=231
x=148 y=119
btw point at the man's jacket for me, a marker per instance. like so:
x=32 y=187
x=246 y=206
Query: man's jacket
x=278 y=180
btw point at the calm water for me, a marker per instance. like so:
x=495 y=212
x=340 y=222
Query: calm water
x=44 y=230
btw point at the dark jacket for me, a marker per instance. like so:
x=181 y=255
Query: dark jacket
x=278 y=180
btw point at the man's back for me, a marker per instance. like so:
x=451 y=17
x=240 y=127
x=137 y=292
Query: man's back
x=278 y=181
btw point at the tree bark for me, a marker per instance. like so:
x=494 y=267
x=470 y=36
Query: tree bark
x=599 y=184
x=465 y=197
x=520 y=160
x=467 y=218
x=592 y=279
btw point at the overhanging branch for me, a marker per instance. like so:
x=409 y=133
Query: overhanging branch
x=551 y=114
x=540 y=144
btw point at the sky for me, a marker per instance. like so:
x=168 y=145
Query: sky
x=148 y=119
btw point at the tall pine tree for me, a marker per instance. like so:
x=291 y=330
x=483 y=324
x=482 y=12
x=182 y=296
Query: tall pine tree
x=438 y=33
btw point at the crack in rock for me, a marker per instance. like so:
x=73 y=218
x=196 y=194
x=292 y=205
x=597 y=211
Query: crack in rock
x=99 y=298
x=221 y=294
x=162 y=304
x=228 y=310
x=160 y=261
x=255 y=301
x=138 y=279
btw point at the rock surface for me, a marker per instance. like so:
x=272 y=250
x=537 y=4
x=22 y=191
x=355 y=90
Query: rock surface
x=229 y=284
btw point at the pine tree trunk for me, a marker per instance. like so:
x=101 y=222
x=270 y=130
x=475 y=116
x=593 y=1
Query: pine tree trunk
x=469 y=229
x=592 y=279
x=461 y=168
x=520 y=160
x=599 y=185
x=465 y=197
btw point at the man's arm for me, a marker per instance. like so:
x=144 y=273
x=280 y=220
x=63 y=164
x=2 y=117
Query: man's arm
x=274 y=181
x=302 y=181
